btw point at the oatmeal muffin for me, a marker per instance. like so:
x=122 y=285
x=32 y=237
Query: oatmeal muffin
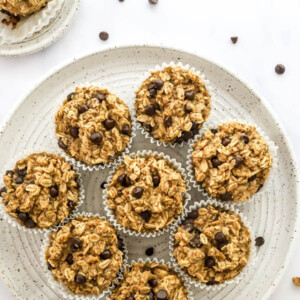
x=22 y=7
x=146 y=193
x=231 y=162
x=85 y=255
x=212 y=245
x=172 y=104
x=93 y=125
x=145 y=281
x=41 y=191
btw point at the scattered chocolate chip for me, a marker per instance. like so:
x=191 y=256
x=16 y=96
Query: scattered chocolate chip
x=71 y=204
x=29 y=223
x=74 y=132
x=238 y=162
x=69 y=259
x=124 y=180
x=9 y=172
x=162 y=294
x=193 y=214
x=168 y=121
x=130 y=298
x=195 y=128
x=209 y=262
x=126 y=129
x=50 y=267
x=62 y=145
x=186 y=135
x=226 y=197
x=153 y=282
x=83 y=108
x=259 y=241
x=280 y=69
x=216 y=162
x=96 y=138
x=156 y=180
x=189 y=227
x=19 y=180
x=151 y=295
x=220 y=238
x=103 y=35
x=158 y=84
x=53 y=191
x=187 y=109
x=195 y=242
x=189 y=95
x=105 y=254
x=137 y=192
x=211 y=282
x=103 y=184
x=75 y=245
x=147 y=127
x=22 y=216
x=245 y=139
x=150 y=110
x=146 y=215
x=22 y=172
x=120 y=244
x=179 y=140
x=109 y=124
x=100 y=96
x=152 y=93
x=80 y=279
x=251 y=178
x=226 y=141
x=234 y=39
x=260 y=187
x=149 y=251
x=214 y=131
x=3 y=190
x=70 y=96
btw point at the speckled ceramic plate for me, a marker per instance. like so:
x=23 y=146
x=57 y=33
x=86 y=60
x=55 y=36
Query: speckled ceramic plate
x=274 y=215
x=47 y=35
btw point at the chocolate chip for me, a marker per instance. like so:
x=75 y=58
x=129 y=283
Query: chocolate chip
x=162 y=295
x=195 y=242
x=3 y=190
x=156 y=180
x=168 y=121
x=260 y=187
x=152 y=93
x=62 y=145
x=103 y=184
x=189 y=227
x=211 y=282
x=124 y=180
x=22 y=172
x=226 y=141
x=179 y=140
x=252 y=178
x=226 y=197
x=158 y=84
x=103 y=35
x=153 y=1
x=96 y=138
x=19 y=180
x=130 y=298
x=187 y=109
x=234 y=39
x=153 y=282
x=259 y=241
x=280 y=69
x=238 y=161
x=22 y=216
x=100 y=96
x=71 y=204
x=146 y=215
x=74 y=132
x=209 y=262
x=50 y=267
x=80 y=279
x=29 y=223
x=189 y=95
x=149 y=251
x=109 y=124
x=53 y=191
x=137 y=192
x=150 y=110
x=70 y=96
x=245 y=139
x=220 y=238
x=82 y=108
x=120 y=244
x=9 y=172
x=151 y=295
x=193 y=214
x=147 y=127
x=195 y=128
x=186 y=135
x=75 y=245
x=214 y=131
x=69 y=259
x=105 y=255
x=216 y=162
x=126 y=129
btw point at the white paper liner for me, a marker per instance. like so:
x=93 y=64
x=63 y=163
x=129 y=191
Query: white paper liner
x=81 y=164
x=162 y=262
x=186 y=196
x=213 y=124
x=11 y=165
x=63 y=289
x=252 y=257
x=160 y=68
x=29 y=25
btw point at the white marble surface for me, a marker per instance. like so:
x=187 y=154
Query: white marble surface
x=268 y=34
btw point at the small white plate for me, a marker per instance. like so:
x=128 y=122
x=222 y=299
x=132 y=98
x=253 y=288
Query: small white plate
x=273 y=215
x=47 y=35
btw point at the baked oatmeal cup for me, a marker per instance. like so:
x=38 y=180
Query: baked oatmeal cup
x=150 y=280
x=212 y=245
x=41 y=191
x=85 y=256
x=231 y=162
x=147 y=191
x=93 y=126
x=172 y=104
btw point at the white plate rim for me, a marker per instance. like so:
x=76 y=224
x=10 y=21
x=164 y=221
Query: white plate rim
x=295 y=235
